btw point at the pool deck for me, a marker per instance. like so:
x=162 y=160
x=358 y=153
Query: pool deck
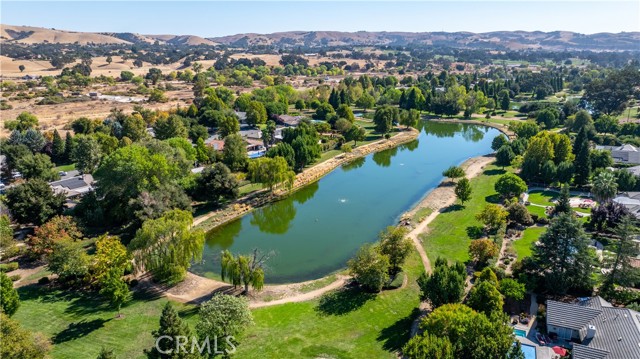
x=541 y=352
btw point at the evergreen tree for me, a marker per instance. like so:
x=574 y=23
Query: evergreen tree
x=622 y=270
x=563 y=256
x=68 y=147
x=583 y=159
x=57 y=148
x=171 y=325
x=563 y=205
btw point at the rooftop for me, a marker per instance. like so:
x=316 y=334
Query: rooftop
x=617 y=329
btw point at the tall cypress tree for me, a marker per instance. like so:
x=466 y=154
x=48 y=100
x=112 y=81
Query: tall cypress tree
x=57 y=148
x=171 y=325
x=583 y=159
x=68 y=147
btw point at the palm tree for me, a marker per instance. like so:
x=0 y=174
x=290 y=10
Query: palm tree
x=605 y=186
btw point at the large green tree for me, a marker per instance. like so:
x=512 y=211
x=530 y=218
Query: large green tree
x=510 y=185
x=216 y=184
x=485 y=298
x=370 y=268
x=605 y=186
x=246 y=270
x=563 y=255
x=444 y=285
x=384 y=118
x=471 y=334
x=19 y=343
x=271 y=172
x=396 y=246
x=167 y=246
x=37 y=166
x=33 y=202
x=86 y=153
x=225 y=318
x=582 y=164
x=234 y=154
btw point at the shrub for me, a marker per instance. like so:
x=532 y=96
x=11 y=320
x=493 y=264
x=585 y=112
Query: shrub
x=44 y=280
x=8 y=267
x=346 y=148
x=15 y=277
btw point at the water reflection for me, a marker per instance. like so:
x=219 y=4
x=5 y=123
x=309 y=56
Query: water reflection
x=224 y=236
x=383 y=158
x=274 y=218
x=357 y=163
x=469 y=132
x=411 y=146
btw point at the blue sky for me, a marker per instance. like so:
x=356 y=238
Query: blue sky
x=217 y=18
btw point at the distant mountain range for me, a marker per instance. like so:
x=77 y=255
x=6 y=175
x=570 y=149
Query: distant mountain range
x=513 y=40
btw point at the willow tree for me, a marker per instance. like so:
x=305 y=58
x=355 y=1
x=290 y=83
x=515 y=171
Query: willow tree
x=244 y=270
x=166 y=246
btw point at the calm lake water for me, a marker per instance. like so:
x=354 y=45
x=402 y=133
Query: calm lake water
x=317 y=229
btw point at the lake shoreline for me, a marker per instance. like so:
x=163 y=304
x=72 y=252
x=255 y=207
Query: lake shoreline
x=196 y=289
x=502 y=128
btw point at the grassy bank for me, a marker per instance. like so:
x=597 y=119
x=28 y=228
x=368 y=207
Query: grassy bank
x=447 y=236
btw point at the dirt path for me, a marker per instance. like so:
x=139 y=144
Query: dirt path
x=303 y=297
x=196 y=289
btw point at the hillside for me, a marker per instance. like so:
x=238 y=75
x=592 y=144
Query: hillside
x=514 y=40
x=557 y=40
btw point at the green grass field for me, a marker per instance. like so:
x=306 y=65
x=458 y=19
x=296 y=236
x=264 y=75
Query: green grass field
x=543 y=198
x=529 y=236
x=338 y=325
x=448 y=233
x=80 y=324
x=537 y=210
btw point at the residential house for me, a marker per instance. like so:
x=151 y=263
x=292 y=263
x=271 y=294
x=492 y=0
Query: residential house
x=73 y=187
x=597 y=329
x=288 y=121
x=623 y=154
x=635 y=170
x=631 y=200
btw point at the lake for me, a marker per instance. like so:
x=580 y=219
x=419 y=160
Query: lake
x=315 y=231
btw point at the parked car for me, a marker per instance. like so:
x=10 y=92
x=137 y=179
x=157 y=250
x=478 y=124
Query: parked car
x=62 y=173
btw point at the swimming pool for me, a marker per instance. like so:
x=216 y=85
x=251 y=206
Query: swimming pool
x=520 y=333
x=529 y=351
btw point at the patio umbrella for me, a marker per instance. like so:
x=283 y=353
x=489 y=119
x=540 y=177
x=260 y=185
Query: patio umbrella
x=559 y=350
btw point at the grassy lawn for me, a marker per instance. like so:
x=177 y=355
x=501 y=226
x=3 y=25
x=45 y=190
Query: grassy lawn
x=538 y=211
x=79 y=324
x=66 y=168
x=248 y=188
x=543 y=198
x=447 y=235
x=529 y=236
x=346 y=324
